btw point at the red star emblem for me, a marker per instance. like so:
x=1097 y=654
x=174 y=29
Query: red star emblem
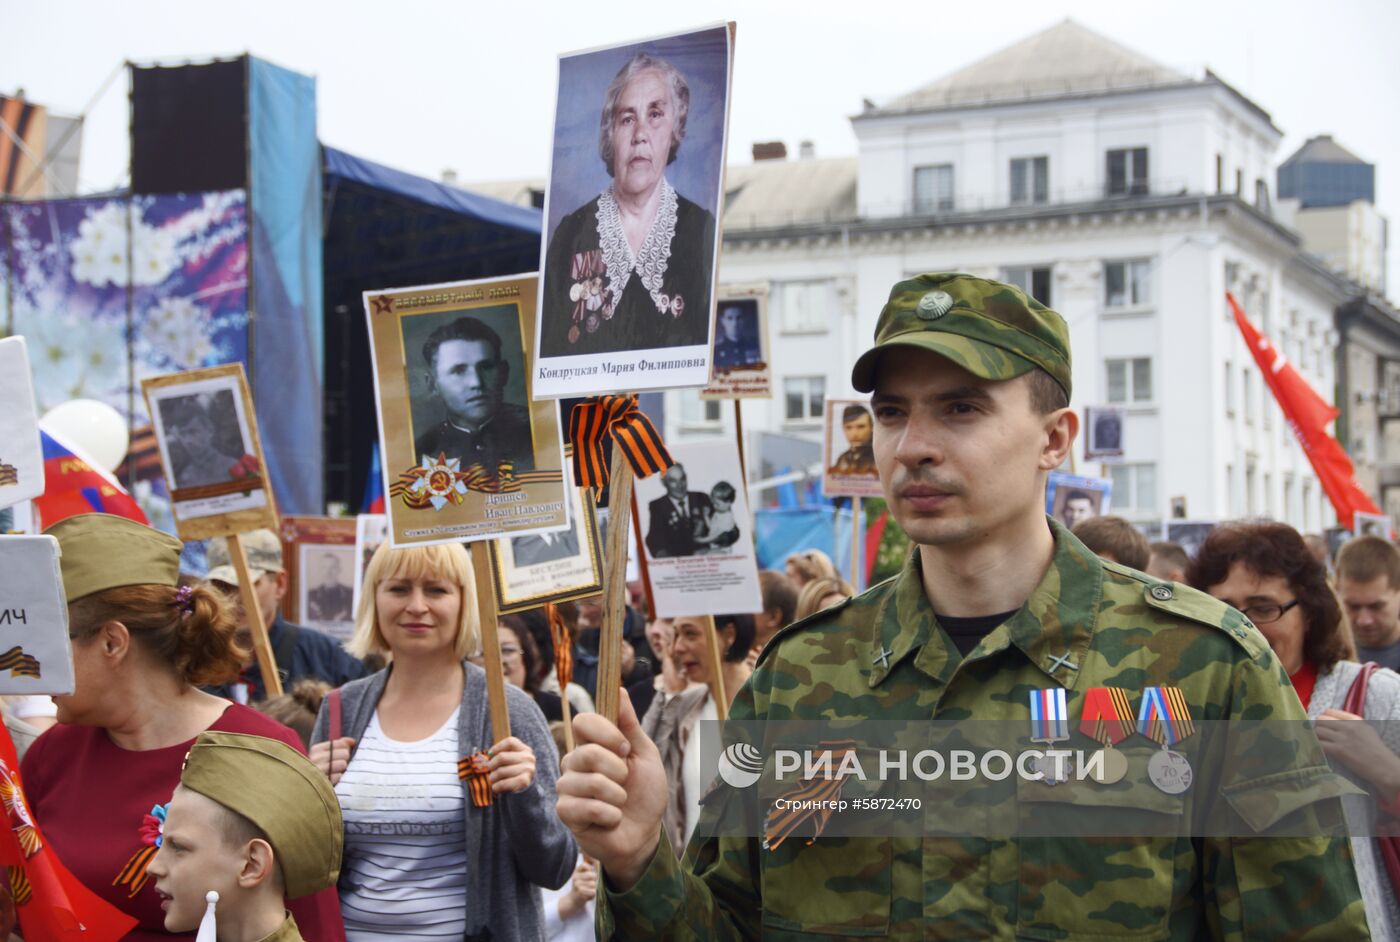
x=383 y=305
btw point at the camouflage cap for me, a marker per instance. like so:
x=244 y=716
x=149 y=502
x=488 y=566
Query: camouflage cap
x=281 y=793
x=990 y=329
x=262 y=547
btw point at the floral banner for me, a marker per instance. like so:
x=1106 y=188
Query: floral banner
x=67 y=282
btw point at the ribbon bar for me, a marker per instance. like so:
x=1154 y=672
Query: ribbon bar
x=594 y=419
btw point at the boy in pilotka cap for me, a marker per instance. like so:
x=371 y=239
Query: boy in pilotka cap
x=254 y=821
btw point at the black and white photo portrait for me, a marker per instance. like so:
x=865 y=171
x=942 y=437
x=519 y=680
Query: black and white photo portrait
x=736 y=334
x=327 y=575
x=1104 y=433
x=538 y=548
x=467 y=371
x=203 y=438
x=683 y=522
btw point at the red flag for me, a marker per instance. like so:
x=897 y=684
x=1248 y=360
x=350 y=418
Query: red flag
x=74 y=484
x=51 y=903
x=1308 y=414
x=873 y=536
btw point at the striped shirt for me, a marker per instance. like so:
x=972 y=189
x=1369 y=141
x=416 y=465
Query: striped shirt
x=404 y=870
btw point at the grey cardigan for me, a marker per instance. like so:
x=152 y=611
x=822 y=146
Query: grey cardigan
x=514 y=845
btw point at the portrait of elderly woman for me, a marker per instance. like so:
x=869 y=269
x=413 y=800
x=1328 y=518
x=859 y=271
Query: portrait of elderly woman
x=632 y=268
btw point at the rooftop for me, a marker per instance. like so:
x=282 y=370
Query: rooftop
x=1322 y=149
x=1066 y=59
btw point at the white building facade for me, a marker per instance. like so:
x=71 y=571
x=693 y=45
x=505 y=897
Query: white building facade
x=1127 y=197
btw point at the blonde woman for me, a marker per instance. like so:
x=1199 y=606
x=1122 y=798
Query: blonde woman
x=821 y=594
x=428 y=852
x=808 y=565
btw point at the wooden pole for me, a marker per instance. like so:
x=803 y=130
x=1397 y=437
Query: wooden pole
x=739 y=436
x=716 y=667
x=614 y=587
x=857 y=557
x=262 y=646
x=568 y=712
x=490 y=642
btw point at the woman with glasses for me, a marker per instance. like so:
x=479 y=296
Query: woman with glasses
x=447 y=833
x=1266 y=571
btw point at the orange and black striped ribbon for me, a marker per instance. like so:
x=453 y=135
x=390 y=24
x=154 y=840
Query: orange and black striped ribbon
x=1107 y=717
x=18 y=663
x=472 y=770
x=813 y=798
x=19 y=885
x=563 y=647
x=134 y=873
x=619 y=416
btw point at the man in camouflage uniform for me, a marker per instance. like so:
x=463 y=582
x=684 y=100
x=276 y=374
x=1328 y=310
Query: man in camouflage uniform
x=971 y=385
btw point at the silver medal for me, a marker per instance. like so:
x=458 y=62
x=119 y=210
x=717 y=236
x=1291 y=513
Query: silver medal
x=1114 y=766
x=1169 y=771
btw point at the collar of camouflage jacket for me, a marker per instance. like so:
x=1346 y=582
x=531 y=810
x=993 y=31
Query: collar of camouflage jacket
x=1052 y=629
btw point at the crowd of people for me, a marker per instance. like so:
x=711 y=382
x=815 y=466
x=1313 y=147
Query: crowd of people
x=375 y=800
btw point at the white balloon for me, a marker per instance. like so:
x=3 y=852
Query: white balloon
x=94 y=427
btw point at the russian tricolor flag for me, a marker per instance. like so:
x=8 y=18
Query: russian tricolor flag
x=374 y=487
x=74 y=484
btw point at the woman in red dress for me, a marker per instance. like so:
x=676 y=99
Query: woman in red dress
x=98 y=782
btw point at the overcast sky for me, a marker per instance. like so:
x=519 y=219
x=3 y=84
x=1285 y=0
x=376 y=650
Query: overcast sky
x=469 y=86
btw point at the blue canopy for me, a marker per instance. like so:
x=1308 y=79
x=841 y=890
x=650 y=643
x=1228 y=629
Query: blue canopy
x=388 y=229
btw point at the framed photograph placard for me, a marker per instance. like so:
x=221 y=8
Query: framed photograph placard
x=697 y=533
x=1103 y=434
x=630 y=250
x=1189 y=534
x=847 y=453
x=210 y=452
x=1074 y=498
x=538 y=568
x=21 y=456
x=468 y=452
x=319 y=556
x=741 y=366
x=36 y=656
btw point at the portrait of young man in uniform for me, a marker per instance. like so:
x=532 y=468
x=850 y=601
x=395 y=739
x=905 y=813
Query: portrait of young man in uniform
x=859 y=456
x=466 y=377
x=970 y=382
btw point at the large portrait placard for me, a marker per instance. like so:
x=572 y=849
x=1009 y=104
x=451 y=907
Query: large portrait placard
x=847 y=453
x=35 y=654
x=630 y=251
x=21 y=456
x=210 y=452
x=319 y=556
x=741 y=367
x=697 y=533
x=468 y=453
x=538 y=568
x=1073 y=498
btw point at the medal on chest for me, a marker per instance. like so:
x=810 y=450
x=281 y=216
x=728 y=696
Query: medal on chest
x=1108 y=720
x=1049 y=725
x=1165 y=719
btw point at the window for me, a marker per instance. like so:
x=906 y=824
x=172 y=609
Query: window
x=1219 y=173
x=1134 y=488
x=1229 y=388
x=804 y=307
x=1127 y=172
x=1128 y=284
x=805 y=396
x=1307 y=505
x=695 y=411
x=1034 y=281
x=933 y=188
x=1030 y=180
x=1261 y=196
x=1230 y=490
x=1246 y=377
x=1239 y=182
x=1130 y=380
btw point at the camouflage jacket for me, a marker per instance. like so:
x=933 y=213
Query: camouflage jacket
x=1116 y=631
